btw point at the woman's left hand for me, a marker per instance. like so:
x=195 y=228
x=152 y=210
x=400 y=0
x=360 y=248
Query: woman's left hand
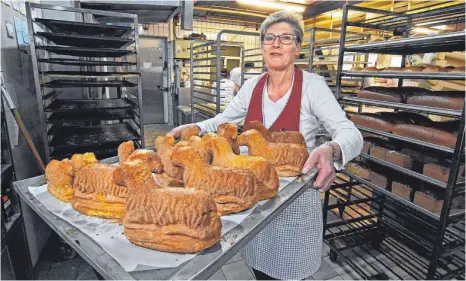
x=322 y=159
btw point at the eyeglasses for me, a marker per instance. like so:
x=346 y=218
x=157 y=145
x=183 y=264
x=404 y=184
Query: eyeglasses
x=285 y=39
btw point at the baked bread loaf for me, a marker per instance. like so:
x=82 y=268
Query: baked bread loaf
x=172 y=175
x=402 y=190
x=371 y=69
x=358 y=169
x=399 y=159
x=59 y=176
x=167 y=219
x=188 y=132
x=413 y=68
x=199 y=146
x=128 y=153
x=449 y=100
x=391 y=69
x=429 y=201
x=428 y=134
x=372 y=121
x=382 y=94
x=233 y=190
x=379 y=179
x=441 y=172
x=230 y=132
x=433 y=68
x=277 y=137
x=287 y=158
x=377 y=39
x=262 y=169
x=356 y=68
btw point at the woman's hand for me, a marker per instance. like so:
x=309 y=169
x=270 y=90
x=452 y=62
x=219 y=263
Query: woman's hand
x=322 y=158
x=176 y=132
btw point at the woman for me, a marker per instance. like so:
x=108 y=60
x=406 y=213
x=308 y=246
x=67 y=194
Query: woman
x=287 y=98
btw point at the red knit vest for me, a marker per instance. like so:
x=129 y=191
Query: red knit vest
x=290 y=116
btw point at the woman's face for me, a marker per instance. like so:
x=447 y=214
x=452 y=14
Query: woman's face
x=279 y=56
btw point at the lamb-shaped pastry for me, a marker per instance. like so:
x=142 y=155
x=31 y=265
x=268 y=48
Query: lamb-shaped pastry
x=181 y=220
x=60 y=175
x=264 y=171
x=126 y=152
x=172 y=175
x=188 y=132
x=277 y=137
x=95 y=191
x=198 y=144
x=287 y=158
x=233 y=190
x=230 y=132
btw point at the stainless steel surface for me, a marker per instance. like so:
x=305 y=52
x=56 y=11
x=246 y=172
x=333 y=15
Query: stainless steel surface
x=153 y=57
x=202 y=266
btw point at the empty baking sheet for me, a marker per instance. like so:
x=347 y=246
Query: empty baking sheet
x=90 y=74
x=86 y=41
x=77 y=116
x=86 y=52
x=69 y=136
x=86 y=62
x=64 y=83
x=71 y=27
x=66 y=105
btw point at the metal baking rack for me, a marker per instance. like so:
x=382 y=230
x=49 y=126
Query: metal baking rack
x=206 y=65
x=359 y=231
x=86 y=74
x=424 y=244
x=322 y=55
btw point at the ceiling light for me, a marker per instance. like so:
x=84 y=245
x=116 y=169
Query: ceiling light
x=273 y=5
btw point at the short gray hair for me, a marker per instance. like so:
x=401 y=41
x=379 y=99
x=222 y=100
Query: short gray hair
x=283 y=16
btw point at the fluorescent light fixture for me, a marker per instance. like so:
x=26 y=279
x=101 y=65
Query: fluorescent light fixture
x=273 y=5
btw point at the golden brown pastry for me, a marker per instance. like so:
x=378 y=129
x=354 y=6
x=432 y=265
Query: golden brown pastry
x=199 y=146
x=189 y=131
x=128 y=153
x=172 y=175
x=230 y=132
x=288 y=159
x=233 y=190
x=264 y=171
x=95 y=191
x=356 y=68
x=166 y=219
x=59 y=176
x=277 y=137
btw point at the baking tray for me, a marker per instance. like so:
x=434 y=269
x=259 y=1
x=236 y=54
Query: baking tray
x=72 y=136
x=449 y=42
x=201 y=267
x=76 y=116
x=67 y=105
x=65 y=83
x=86 y=52
x=94 y=29
x=90 y=74
x=86 y=62
x=85 y=41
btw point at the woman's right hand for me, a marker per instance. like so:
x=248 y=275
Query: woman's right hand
x=176 y=132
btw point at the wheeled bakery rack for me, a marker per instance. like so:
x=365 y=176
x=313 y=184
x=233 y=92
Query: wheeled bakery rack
x=321 y=55
x=87 y=80
x=206 y=66
x=379 y=234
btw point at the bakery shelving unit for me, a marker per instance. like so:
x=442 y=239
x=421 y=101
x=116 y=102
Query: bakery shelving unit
x=421 y=243
x=322 y=55
x=206 y=66
x=87 y=80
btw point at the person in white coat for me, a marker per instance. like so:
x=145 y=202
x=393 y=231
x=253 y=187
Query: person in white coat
x=291 y=99
x=227 y=88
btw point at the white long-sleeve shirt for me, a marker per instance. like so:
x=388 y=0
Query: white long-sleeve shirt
x=318 y=105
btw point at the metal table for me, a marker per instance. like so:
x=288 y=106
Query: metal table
x=204 y=265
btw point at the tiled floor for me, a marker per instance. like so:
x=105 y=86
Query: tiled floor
x=235 y=269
